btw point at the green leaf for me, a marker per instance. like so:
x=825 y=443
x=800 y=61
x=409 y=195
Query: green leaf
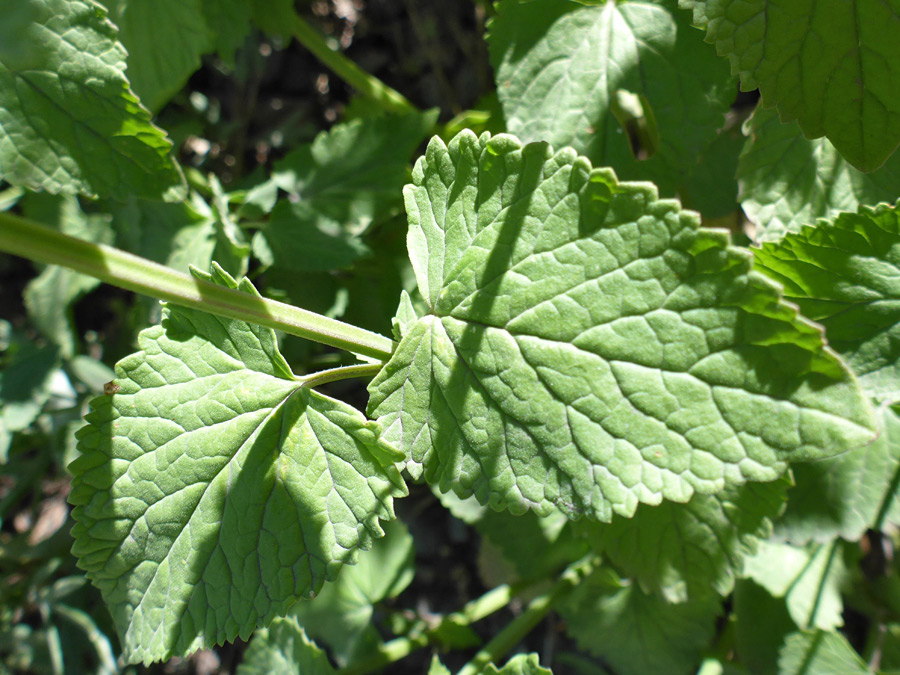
x=846 y=495
x=788 y=181
x=638 y=633
x=284 y=649
x=214 y=489
x=340 y=616
x=164 y=39
x=589 y=348
x=687 y=551
x=845 y=274
x=50 y=295
x=25 y=383
x=761 y=623
x=819 y=653
x=808 y=578
x=338 y=185
x=594 y=76
x=438 y=668
x=833 y=66
x=521 y=664
x=229 y=22
x=68 y=120
x=535 y=546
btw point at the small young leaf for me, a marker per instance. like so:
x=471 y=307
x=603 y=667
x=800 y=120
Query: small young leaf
x=564 y=71
x=521 y=664
x=589 y=348
x=845 y=274
x=808 y=578
x=788 y=181
x=820 y=653
x=846 y=495
x=687 y=551
x=638 y=633
x=213 y=489
x=438 y=668
x=68 y=120
x=833 y=66
x=284 y=649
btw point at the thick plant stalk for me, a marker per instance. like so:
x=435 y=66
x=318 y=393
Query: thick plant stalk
x=367 y=85
x=28 y=239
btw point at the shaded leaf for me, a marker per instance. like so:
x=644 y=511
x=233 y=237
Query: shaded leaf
x=68 y=120
x=638 y=633
x=213 y=489
x=687 y=551
x=846 y=495
x=594 y=77
x=788 y=181
x=761 y=623
x=845 y=274
x=283 y=649
x=589 y=348
x=833 y=66
x=164 y=39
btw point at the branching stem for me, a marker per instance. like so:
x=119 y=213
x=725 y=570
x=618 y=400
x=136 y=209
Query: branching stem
x=28 y=239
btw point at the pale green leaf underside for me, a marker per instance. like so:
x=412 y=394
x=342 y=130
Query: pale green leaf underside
x=213 y=489
x=820 y=653
x=68 y=121
x=521 y=664
x=561 y=68
x=845 y=274
x=832 y=65
x=688 y=551
x=284 y=649
x=846 y=495
x=788 y=181
x=589 y=347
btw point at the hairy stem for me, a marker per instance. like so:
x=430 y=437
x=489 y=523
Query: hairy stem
x=340 y=373
x=537 y=609
x=367 y=85
x=28 y=239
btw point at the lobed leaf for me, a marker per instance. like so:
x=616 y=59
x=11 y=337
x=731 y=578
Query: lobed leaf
x=588 y=347
x=68 y=120
x=521 y=664
x=214 y=489
x=604 y=78
x=845 y=274
x=788 y=181
x=834 y=66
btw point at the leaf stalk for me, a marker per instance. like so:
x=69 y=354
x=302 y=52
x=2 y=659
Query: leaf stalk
x=28 y=239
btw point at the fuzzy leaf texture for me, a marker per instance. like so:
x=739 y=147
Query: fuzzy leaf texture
x=832 y=65
x=588 y=346
x=284 y=649
x=845 y=274
x=593 y=77
x=213 y=489
x=68 y=120
x=788 y=181
x=820 y=653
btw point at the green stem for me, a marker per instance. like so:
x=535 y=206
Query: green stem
x=474 y=611
x=367 y=85
x=28 y=239
x=340 y=373
x=537 y=609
